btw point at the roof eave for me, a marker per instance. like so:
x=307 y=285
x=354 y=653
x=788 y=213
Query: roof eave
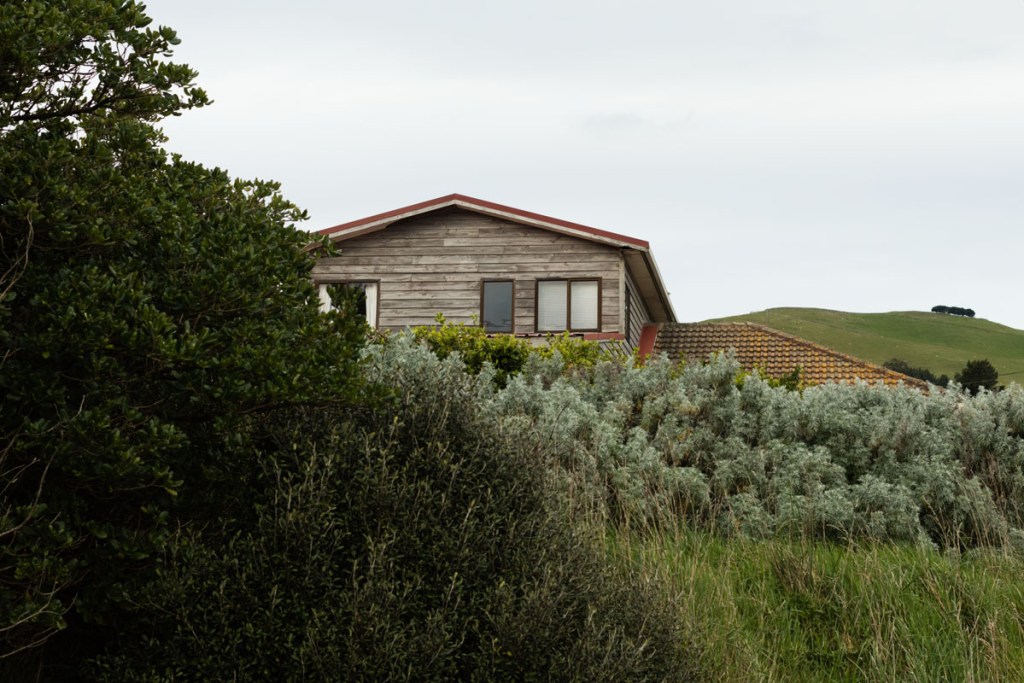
x=644 y=270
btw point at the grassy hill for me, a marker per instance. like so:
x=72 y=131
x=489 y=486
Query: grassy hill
x=941 y=343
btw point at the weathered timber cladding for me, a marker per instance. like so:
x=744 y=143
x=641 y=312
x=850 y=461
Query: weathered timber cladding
x=638 y=313
x=436 y=262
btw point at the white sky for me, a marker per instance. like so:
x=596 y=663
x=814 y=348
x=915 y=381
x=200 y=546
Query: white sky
x=860 y=156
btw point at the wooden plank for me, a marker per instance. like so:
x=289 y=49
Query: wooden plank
x=384 y=239
x=425 y=313
x=444 y=257
x=416 y=252
x=415 y=298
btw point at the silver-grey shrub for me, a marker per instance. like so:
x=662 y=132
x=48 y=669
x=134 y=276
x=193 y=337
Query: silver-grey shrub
x=836 y=461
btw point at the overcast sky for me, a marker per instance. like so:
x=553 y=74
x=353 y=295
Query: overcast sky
x=859 y=156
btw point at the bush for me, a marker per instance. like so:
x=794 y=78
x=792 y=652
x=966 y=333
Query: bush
x=475 y=347
x=833 y=461
x=426 y=544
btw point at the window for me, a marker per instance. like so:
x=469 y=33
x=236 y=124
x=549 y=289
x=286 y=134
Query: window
x=568 y=305
x=332 y=294
x=497 y=305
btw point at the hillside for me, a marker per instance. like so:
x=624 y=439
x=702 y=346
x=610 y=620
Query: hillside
x=941 y=343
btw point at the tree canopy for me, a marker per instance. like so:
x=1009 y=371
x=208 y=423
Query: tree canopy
x=978 y=374
x=150 y=309
x=954 y=310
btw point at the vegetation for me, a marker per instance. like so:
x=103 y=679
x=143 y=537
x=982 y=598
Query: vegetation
x=978 y=374
x=900 y=365
x=954 y=310
x=204 y=478
x=150 y=310
x=421 y=542
x=797 y=610
x=941 y=343
x=195 y=461
x=505 y=353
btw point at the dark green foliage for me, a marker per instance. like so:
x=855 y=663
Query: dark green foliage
x=954 y=310
x=925 y=374
x=425 y=544
x=978 y=374
x=149 y=308
x=62 y=61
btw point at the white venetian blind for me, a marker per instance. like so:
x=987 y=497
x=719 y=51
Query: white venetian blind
x=551 y=305
x=584 y=305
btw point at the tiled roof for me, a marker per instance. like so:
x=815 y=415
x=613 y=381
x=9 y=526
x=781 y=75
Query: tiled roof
x=772 y=352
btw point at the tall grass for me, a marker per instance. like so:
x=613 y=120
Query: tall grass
x=801 y=610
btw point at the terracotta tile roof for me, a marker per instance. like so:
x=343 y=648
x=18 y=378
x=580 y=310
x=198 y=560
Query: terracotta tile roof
x=772 y=352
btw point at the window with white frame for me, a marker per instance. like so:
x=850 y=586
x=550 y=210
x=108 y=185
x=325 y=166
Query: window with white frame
x=573 y=305
x=363 y=295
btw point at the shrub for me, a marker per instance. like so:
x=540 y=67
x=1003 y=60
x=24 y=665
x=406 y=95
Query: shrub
x=475 y=347
x=833 y=461
x=576 y=353
x=424 y=544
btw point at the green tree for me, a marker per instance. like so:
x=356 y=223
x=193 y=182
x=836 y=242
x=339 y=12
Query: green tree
x=900 y=365
x=977 y=374
x=150 y=309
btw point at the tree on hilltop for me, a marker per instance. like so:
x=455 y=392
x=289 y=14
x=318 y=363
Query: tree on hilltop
x=954 y=310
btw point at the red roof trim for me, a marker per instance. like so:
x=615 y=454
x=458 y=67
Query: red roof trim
x=449 y=199
x=648 y=338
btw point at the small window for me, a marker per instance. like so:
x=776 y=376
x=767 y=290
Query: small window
x=333 y=294
x=573 y=305
x=497 y=305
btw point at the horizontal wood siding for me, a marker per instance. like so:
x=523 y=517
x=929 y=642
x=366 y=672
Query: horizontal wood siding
x=436 y=262
x=638 y=313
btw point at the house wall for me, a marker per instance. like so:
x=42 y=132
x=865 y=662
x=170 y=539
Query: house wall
x=637 y=312
x=436 y=263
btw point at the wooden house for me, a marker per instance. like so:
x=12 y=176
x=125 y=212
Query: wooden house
x=510 y=270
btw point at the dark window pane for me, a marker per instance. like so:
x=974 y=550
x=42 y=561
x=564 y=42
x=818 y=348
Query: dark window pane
x=497 y=308
x=350 y=296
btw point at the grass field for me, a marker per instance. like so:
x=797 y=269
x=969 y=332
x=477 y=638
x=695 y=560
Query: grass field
x=798 y=610
x=941 y=343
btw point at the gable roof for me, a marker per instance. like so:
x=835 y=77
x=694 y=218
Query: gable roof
x=772 y=352
x=637 y=252
x=383 y=220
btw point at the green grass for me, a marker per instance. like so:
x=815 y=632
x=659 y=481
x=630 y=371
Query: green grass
x=796 y=610
x=941 y=343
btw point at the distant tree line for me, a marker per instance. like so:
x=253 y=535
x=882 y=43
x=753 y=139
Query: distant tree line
x=900 y=365
x=975 y=375
x=954 y=310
